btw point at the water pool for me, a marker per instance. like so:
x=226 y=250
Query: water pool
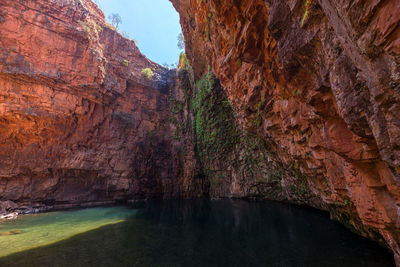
x=186 y=233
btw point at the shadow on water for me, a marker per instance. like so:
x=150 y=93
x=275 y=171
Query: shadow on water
x=212 y=233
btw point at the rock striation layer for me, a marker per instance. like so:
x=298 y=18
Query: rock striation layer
x=293 y=101
x=79 y=123
x=320 y=82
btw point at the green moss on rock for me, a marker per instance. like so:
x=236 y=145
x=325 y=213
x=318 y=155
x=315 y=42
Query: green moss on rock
x=225 y=150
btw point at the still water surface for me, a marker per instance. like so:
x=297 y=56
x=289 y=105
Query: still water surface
x=186 y=233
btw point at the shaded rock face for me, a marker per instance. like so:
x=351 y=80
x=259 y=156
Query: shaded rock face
x=238 y=163
x=304 y=108
x=321 y=83
x=78 y=121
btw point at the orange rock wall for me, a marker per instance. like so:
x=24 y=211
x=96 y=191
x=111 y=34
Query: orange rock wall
x=80 y=124
x=78 y=121
x=324 y=88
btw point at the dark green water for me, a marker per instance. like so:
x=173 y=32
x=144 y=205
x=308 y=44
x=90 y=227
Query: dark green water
x=186 y=233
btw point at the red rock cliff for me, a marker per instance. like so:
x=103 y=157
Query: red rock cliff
x=320 y=81
x=78 y=121
x=317 y=83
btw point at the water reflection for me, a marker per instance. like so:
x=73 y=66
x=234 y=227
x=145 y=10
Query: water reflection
x=211 y=233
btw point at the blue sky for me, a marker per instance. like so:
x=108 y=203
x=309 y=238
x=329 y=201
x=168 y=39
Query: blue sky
x=153 y=23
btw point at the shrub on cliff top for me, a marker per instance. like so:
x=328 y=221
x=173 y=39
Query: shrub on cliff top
x=183 y=62
x=148 y=73
x=125 y=62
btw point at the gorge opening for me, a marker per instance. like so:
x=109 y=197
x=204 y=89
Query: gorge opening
x=287 y=101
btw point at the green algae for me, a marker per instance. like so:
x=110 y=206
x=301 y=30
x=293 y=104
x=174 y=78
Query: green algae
x=32 y=231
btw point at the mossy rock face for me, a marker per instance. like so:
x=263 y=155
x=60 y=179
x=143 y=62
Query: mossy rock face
x=229 y=161
x=235 y=161
x=238 y=163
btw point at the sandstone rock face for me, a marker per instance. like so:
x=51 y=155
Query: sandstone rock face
x=79 y=122
x=321 y=83
x=238 y=163
x=318 y=85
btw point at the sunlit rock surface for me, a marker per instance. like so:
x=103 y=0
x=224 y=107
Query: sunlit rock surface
x=316 y=84
x=79 y=123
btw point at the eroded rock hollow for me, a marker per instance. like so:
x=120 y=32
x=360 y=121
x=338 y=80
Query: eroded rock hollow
x=294 y=101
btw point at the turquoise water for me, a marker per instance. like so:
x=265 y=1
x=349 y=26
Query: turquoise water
x=42 y=229
x=186 y=233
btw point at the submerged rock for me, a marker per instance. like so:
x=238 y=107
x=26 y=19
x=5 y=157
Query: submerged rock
x=13 y=232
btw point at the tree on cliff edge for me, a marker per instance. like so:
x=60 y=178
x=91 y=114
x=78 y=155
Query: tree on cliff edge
x=181 y=41
x=115 y=19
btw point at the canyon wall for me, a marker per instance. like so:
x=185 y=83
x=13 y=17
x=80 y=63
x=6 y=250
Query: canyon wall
x=282 y=101
x=235 y=162
x=79 y=123
x=319 y=81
